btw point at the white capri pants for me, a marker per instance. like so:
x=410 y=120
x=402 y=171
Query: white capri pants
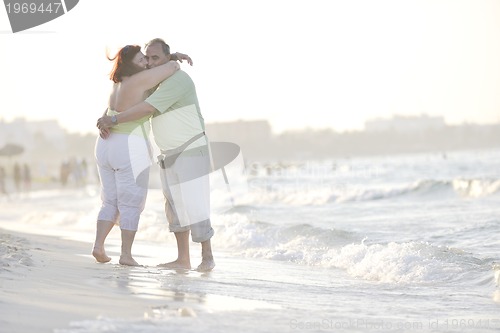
x=123 y=162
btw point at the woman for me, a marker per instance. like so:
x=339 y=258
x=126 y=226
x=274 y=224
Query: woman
x=123 y=156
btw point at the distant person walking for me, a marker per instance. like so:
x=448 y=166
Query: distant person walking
x=3 y=176
x=17 y=177
x=64 y=172
x=26 y=178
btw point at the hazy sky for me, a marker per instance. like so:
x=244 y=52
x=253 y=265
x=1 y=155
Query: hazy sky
x=295 y=63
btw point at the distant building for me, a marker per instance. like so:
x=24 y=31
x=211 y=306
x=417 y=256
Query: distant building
x=405 y=124
x=30 y=134
x=254 y=137
x=239 y=130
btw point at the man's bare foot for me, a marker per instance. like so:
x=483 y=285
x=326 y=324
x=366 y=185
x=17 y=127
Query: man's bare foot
x=100 y=255
x=207 y=264
x=129 y=261
x=178 y=264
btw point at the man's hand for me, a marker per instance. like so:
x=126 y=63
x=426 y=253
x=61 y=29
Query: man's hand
x=104 y=133
x=104 y=123
x=182 y=56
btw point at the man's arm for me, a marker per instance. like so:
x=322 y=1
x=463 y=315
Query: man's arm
x=136 y=112
x=104 y=132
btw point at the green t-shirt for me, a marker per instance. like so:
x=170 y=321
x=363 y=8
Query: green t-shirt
x=178 y=116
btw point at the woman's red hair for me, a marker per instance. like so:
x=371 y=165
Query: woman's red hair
x=122 y=63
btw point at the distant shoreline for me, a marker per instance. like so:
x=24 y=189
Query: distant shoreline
x=46 y=142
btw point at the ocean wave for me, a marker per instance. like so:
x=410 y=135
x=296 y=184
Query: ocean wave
x=320 y=194
x=407 y=262
x=420 y=188
x=467 y=188
x=236 y=231
x=475 y=188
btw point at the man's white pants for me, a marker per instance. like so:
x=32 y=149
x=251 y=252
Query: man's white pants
x=186 y=188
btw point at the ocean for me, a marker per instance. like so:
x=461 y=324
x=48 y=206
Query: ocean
x=405 y=243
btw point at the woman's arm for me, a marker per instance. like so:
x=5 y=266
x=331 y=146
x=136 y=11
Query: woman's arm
x=149 y=78
x=181 y=56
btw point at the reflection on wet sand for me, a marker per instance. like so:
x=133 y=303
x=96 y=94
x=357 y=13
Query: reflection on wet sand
x=174 y=290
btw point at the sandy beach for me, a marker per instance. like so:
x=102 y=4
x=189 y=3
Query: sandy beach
x=49 y=282
x=53 y=284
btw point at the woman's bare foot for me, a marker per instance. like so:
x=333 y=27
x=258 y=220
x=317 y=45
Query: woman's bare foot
x=100 y=255
x=207 y=264
x=129 y=261
x=178 y=264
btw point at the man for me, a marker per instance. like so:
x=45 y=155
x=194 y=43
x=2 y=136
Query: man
x=178 y=129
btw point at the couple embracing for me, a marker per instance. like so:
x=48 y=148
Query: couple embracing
x=150 y=90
